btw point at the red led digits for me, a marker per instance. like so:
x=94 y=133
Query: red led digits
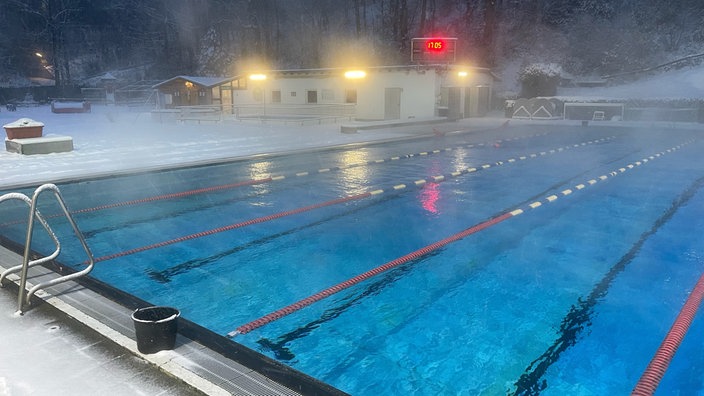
x=435 y=45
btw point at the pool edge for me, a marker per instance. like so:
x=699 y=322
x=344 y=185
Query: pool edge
x=71 y=299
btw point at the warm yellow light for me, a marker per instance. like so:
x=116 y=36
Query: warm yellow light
x=257 y=77
x=189 y=84
x=462 y=74
x=355 y=74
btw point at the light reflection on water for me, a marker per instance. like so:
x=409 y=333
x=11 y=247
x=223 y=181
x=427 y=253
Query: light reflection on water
x=459 y=160
x=257 y=171
x=354 y=179
x=429 y=197
x=260 y=170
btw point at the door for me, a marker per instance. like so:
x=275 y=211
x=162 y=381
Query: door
x=454 y=103
x=468 y=102
x=312 y=97
x=392 y=103
x=484 y=97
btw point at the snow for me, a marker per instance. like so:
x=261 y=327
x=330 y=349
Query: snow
x=677 y=84
x=23 y=123
x=68 y=105
x=115 y=139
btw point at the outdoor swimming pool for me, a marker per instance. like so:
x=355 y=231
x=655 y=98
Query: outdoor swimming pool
x=571 y=296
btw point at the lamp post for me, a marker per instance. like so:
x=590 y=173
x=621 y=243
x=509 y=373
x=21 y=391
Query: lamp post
x=44 y=63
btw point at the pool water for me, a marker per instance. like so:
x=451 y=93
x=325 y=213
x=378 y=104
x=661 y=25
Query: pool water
x=571 y=297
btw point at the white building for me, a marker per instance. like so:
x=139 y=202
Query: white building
x=379 y=93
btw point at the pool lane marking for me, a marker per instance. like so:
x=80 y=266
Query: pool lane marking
x=289 y=309
x=257 y=220
x=579 y=317
x=650 y=379
x=271 y=178
x=262 y=219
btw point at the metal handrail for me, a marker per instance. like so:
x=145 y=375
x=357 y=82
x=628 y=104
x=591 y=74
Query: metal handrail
x=23 y=297
x=50 y=232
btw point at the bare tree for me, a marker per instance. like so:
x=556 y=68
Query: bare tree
x=49 y=21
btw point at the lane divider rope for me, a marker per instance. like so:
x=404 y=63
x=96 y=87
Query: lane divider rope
x=650 y=380
x=289 y=309
x=273 y=178
x=417 y=183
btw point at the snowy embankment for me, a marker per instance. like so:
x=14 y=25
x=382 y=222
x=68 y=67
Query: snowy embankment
x=682 y=84
x=114 y=139
x=111 y=140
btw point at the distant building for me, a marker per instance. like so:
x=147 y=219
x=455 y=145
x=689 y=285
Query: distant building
x=379 y=93
x=191 y=91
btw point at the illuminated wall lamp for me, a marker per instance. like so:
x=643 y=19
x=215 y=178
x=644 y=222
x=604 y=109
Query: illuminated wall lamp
x=462 y=74
x=257 y=77
x=355 y=74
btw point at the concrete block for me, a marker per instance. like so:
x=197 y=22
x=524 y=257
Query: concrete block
x=40 y=145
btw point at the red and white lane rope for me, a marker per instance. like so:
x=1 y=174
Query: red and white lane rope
x=272 y=178
x=649 y=381
x=289 y=309
x=397 y=187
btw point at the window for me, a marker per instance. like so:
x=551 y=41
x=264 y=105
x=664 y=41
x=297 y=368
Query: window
x=239 y=84
x=275 y=96
x=293 y=94
x=351 y=96
x=312 y=97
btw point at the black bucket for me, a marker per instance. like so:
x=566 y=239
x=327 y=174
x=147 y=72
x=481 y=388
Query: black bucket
x=155 y=328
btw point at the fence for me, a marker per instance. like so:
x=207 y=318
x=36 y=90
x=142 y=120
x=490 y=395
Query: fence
x=265 y=113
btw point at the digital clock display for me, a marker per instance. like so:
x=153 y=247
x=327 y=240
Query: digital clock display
x=435 y=45
x=435 y=49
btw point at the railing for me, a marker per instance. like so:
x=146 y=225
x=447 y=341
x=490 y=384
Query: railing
x=281 y=113
x=23 y=295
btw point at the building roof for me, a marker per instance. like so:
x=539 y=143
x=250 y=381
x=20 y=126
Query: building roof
x=210 y=82
x=207 y=82
x=330 y=71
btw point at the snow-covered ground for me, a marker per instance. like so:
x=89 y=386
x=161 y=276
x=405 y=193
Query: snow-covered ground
x=686 y=83
x=115 y=139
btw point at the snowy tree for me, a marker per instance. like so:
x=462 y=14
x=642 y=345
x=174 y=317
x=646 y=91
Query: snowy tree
x=80 y=37
x=540 y=79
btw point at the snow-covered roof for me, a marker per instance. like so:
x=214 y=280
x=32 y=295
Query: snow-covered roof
x=207 y=82
x=324 y=72
x=23 y=123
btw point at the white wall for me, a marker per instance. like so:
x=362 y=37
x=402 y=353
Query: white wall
x=418 y=95
x=420 y=90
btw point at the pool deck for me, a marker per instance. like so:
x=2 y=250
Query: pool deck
x=77 y=342
x=73 y=341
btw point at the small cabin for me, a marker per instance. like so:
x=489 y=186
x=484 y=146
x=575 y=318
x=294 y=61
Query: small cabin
x=191 y=91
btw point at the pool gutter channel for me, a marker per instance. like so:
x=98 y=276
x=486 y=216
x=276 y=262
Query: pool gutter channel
x=190 y=362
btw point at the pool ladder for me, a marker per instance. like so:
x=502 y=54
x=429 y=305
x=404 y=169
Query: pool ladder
x=24 y=296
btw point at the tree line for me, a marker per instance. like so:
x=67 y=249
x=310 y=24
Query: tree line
x=79 y=38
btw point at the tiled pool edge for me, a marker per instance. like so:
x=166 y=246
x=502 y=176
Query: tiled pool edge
x=190 y=362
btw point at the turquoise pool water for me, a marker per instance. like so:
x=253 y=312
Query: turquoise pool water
x=569 y=297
